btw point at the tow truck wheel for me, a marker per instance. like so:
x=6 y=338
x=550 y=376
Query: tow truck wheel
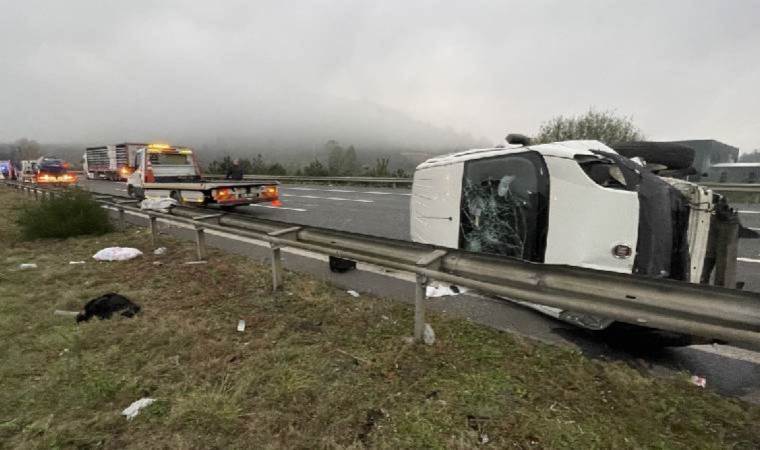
x=130 y=191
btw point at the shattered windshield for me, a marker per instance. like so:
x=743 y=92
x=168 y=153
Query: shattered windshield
x=503 y=209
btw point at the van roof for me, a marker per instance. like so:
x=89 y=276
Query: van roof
x=564 y=149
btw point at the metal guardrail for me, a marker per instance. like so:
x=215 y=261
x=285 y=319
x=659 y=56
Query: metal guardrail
x=708 y=311
x=394 y=182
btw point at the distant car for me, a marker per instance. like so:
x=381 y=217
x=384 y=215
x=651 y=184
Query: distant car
x=576 y=203
x=7 y=170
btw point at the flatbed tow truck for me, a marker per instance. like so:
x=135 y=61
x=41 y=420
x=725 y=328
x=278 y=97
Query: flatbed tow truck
x=163 y=171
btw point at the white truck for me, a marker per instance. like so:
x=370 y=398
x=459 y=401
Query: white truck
x=166 y=171
x=575 y=203
x=110 y=162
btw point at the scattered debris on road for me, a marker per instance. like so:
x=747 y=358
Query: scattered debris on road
x=341 y=265
x=117 y=254
x=106 y=305
x=132 y=410
x=440 y=289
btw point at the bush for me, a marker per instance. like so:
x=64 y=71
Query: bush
x=74 y=213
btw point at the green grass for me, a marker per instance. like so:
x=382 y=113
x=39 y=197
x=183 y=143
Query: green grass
x=315 y=368
x=73 y=213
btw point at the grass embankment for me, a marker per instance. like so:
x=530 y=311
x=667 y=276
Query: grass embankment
x=313 y=368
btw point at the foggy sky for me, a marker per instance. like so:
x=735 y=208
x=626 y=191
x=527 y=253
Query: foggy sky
x=412 y=72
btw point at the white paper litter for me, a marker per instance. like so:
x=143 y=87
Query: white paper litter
x=241 y=325
x=698 y=381
x=158 y=204
x=159 y=251
x=27 y=266
x=74 y=263
x=117 y=254
x=428 y=335
x=353 y=293
x=132 y=410
x=440 y=289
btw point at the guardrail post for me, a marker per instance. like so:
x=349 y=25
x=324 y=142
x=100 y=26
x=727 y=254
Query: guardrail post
x=276 y=255
x=420 y=294
x=200 y=241
x=727 y=251
x=153 y=230
x=432 y=259
x=122 y=221
x=276 y=267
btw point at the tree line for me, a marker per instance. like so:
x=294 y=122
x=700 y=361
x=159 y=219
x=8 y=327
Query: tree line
x=340 y=162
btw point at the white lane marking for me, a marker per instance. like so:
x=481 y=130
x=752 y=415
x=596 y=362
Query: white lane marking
x=281 y=207
x=749 y=212
x=729 y=352
x=284 y=189
x=386 y=193
x=749 y=260
x=339 y=199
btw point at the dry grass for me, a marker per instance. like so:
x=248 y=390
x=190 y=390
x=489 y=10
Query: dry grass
x=315 y=368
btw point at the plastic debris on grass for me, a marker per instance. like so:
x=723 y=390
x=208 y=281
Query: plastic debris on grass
x=698 y=381
x=428 y=335
x=353 y=293
x=76 y=263
x=241 y=325
x=117 y=254
x=159 y=251
x=27 y=266
x=440 y=289
x=132 y=410
x=106 y=305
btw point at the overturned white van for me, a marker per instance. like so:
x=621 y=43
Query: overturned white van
x=576 y=203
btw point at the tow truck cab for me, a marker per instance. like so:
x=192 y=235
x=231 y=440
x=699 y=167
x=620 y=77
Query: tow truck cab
x=576 y=203
x=166 y=171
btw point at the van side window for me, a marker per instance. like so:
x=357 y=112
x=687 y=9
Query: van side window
x=504 y=208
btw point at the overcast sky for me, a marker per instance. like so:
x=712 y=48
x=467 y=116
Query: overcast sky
x=80 y=70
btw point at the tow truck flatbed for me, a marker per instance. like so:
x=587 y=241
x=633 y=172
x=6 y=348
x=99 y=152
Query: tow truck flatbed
x=164 y=171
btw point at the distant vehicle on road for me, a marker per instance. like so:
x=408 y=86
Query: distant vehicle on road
x=110 y=162
x=7 y=170
x=47 y=170
x=577 y=203
x=166 y=171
